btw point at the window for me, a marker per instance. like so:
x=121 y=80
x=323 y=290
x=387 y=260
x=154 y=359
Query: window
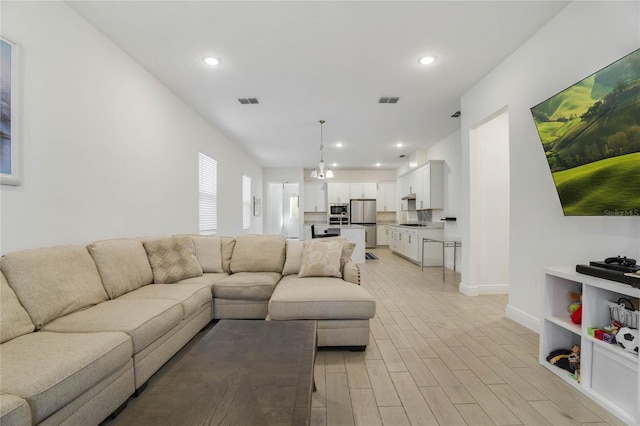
x=207 y=194
x=246 y=202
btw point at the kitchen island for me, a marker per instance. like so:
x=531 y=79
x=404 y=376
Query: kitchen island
x=354 y=233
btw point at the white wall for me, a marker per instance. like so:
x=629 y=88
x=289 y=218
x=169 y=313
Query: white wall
x=449 y=150
x=581 y=39
x=489 y=200
x=107 y=150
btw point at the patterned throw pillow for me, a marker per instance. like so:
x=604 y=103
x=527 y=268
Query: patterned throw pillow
x=321 y=259
x=172 y=259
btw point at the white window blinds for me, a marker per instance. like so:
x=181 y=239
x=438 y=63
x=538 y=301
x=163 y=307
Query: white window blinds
x=208 y=188
x=246 y=202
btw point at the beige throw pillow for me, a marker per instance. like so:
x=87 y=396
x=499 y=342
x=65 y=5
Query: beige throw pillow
x=172 y=259
x=294 y=258
x=321 y=259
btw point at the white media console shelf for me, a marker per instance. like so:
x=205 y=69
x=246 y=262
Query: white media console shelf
x=609 y=374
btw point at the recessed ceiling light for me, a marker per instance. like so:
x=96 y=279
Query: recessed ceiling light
x=339 y=145
x=378 y=164
x=210 y=60
x=334 y=165
x=399 y=145
x=426 y=60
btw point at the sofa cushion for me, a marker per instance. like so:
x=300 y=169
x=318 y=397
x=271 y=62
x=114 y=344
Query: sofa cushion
x=122 y=264
x=50 y=370
x=14 y=319
x=14 y=411
x=227 y=246
x=258 y=253
x=247 y=286
x=293 y=260
x=143 y=320
x=321 y=259
x=172 y=259
x=208 y=278
x=65 y=276
x=191 y=296
x=208 y=252
x=319 y=298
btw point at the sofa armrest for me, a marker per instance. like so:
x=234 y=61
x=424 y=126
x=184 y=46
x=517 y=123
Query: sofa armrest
x=351 y=273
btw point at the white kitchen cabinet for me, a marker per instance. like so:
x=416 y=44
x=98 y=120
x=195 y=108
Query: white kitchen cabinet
x=386 y=200
x=366 y=190
x=338 y=193
x=382 y=234
x=427 y=183
x=609 y=374
x=394 y=238
x=407 y=242
x=430 y=194
x=404 y=241
x=315 y=198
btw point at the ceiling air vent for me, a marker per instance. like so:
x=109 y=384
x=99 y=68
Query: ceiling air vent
x=248 y=101
x=455 y=114
x=388 y=100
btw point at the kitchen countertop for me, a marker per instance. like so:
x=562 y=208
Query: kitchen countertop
x=345 y=227
x=428 y=225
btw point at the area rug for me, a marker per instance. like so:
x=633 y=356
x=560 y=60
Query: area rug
x=370 y=256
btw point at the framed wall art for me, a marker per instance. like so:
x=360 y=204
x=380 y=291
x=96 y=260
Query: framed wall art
x=9 y=142
x=257 y=206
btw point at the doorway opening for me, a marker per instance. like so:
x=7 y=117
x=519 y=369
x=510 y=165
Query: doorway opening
x=283 y=209
x=490 y=205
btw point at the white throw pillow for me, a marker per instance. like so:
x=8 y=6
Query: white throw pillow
x=321 y=259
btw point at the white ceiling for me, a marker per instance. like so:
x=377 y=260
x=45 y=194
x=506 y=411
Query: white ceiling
x=328 y=60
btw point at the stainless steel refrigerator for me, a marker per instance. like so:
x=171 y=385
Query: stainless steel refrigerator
x=363 y=212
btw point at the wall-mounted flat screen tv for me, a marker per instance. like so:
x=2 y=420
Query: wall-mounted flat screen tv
x=590 y=133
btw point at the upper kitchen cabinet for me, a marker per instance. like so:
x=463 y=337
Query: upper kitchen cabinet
x=386 y=200
x=431 y=188
x=315 y=197
x=366 y=190
x=338 y=193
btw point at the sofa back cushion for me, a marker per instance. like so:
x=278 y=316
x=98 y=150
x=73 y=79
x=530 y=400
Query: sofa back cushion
x=14 y=320
x=258 y=253
x=209 y=252
x=227 y=246
x=172 y=259
x=54 y=281
x=122 y=264
x=294 y=258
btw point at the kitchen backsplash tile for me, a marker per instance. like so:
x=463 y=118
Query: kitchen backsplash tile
x=425 y=216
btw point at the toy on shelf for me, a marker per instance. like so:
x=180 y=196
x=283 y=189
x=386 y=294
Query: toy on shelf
x=628 y=339
x=575 y=307
x=567 y=359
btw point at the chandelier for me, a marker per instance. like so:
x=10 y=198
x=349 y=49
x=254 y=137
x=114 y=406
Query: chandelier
x=320 y=172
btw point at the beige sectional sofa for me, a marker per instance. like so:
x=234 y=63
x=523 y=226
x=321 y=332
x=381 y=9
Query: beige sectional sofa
x=84 y=328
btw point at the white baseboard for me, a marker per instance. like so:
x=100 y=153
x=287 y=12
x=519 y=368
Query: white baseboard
x=467 y=290
x=523 y=318
x=483 y=289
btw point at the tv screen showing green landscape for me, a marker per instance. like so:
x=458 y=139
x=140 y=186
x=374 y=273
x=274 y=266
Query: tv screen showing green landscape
x=590 y=133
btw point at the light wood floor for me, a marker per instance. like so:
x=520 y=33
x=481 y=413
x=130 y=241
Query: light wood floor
x=438 y=357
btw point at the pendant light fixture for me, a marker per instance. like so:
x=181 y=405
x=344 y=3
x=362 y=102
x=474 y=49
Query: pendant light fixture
x=320 y=172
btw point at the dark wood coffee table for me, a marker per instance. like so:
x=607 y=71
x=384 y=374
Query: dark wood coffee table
x=239 y=373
